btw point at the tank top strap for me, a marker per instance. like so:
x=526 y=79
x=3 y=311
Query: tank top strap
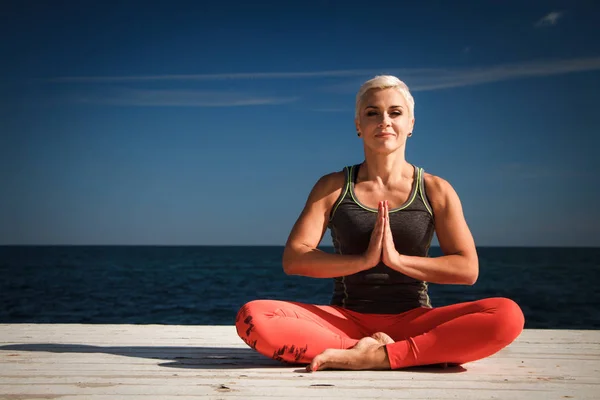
x=345 y=189
x=423 y=192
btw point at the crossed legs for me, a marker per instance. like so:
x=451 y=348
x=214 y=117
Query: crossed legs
x=332 y=337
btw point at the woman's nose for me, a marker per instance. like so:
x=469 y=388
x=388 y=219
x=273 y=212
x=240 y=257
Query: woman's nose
x=385 y=120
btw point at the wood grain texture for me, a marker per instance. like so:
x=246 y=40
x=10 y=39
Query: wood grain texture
x=97 y=362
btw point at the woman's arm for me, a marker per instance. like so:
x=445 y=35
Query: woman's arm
x=459 y=264
x=301 y=256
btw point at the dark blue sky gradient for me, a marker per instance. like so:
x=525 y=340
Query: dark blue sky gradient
x=201 y=124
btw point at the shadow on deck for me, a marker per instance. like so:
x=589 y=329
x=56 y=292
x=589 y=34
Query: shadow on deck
x=191 y=356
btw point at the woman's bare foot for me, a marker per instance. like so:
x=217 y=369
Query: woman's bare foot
x=382 y=338
x=368 y=353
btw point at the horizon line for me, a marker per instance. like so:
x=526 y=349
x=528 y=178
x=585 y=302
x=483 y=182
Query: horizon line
x=271 y=245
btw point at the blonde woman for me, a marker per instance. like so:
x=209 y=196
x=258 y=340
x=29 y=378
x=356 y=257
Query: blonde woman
x=382 y=214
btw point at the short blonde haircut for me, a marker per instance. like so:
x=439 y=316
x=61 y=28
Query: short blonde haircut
x=385 y=82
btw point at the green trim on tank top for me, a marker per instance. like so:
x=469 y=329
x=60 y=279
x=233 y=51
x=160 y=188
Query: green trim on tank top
x=425 y=291
x=413 y=192
x=421 y=187
x=343 y=196
x=426 y=203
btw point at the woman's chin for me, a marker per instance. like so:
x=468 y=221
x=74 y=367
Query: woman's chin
x=384 y=148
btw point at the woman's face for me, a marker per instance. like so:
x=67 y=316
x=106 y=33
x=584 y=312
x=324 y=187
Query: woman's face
x=384 y=120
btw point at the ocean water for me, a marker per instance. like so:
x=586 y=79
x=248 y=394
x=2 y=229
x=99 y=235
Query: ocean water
x=200 y=285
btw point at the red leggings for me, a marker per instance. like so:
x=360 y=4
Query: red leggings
x=456 y=334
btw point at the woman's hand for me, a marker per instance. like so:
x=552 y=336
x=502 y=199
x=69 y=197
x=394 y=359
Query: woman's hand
x=389 y=254
x=381 y=246
x=373 y=255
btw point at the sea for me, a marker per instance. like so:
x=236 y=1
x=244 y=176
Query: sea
x=557 y=288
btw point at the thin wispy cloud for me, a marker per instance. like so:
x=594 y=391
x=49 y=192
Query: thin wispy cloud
x=419 y=79
x=232 y=76
x=475 y=76
x=439 y=79
x=549 y=19
x=176 y=98
x=330 y=109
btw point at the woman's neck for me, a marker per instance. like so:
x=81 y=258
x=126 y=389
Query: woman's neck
x=385 y=170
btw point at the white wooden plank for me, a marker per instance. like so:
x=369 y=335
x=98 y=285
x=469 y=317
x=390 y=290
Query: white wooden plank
x=369 y=391
x=74 y=361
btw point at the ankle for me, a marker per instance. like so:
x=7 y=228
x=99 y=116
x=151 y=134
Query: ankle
x=378 y=357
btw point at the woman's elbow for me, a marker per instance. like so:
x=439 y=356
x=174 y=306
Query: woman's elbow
x=289 y=266
x=472 y=271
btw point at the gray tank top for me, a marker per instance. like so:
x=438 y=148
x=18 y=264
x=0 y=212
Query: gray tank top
x=381 y=290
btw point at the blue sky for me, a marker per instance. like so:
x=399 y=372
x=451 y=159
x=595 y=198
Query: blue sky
x=201 y=124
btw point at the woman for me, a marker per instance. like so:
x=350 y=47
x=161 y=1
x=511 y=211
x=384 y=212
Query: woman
x=382 y=214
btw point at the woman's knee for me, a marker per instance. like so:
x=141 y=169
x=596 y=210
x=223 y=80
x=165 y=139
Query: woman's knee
x=509 y=322
x=246 y=317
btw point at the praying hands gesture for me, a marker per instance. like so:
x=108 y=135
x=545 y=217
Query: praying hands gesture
x=458 y=265
x=381 y=247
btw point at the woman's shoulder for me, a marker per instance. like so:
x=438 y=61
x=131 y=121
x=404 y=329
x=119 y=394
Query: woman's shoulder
x=439 y=190
x=434 y=182
x=330 y=185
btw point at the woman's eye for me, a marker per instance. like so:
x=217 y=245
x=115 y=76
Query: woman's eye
x=371 y=113
x=396 y=113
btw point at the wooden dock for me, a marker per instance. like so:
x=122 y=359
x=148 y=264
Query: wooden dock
x=98 y=362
